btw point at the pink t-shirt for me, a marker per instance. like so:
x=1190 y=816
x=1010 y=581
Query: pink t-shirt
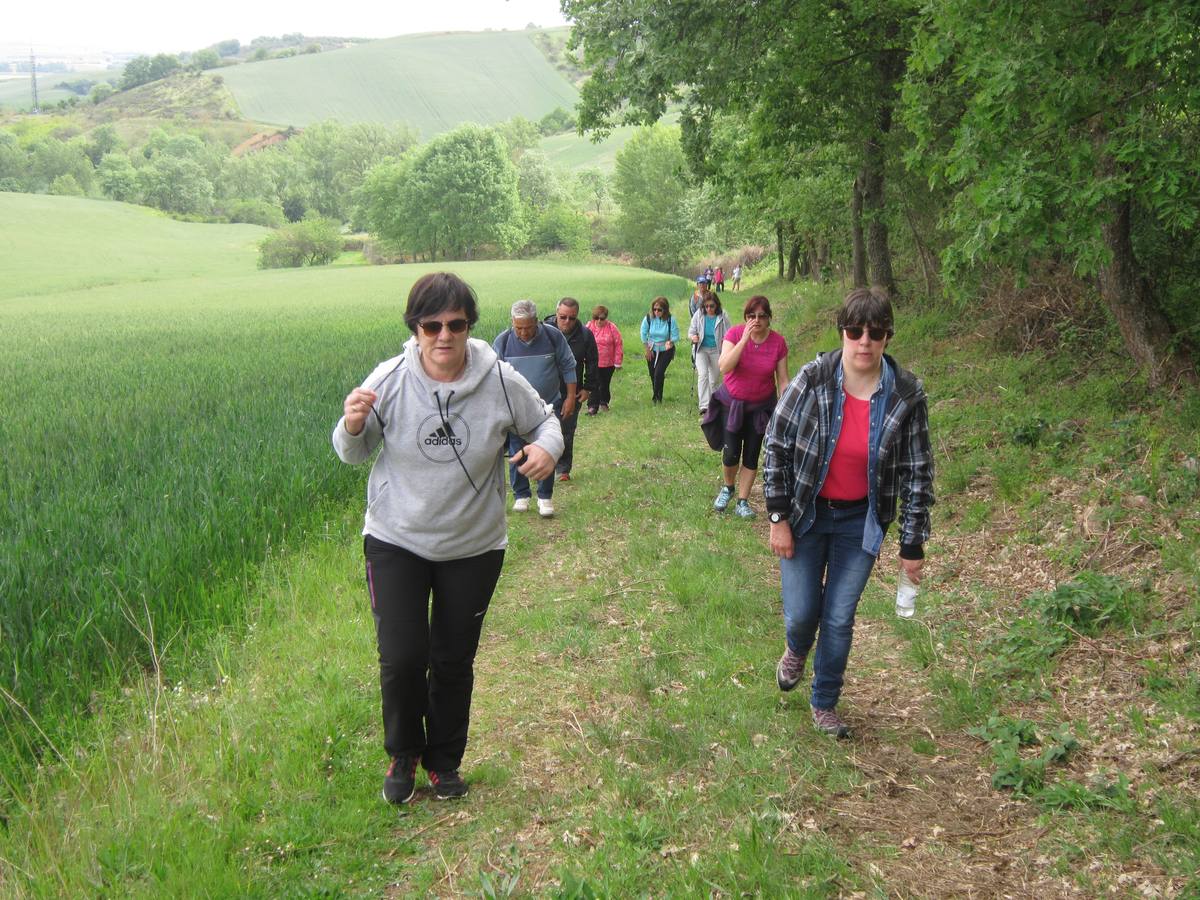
x=754 y=376
x=847 y=476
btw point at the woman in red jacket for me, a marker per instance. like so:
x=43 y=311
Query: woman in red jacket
x=611 y=353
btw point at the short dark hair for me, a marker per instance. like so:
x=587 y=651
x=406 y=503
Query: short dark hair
x=569 y=302
x=663 y=302
x=757 y=303
x=867 y=307
x=439 y=292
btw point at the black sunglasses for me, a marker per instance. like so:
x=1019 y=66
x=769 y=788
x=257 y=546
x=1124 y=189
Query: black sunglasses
x=433 y=329
x=599 y=318
x=659 y=309
x=855 y=332
x=567 y=318
x=757 y=315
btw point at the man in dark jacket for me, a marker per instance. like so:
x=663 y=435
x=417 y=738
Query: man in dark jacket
x=583 y=345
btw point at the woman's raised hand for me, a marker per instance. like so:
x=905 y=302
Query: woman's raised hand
x=357 y=407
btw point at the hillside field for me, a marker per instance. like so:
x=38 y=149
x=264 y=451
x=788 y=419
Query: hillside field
x=181 y=423
x=431 y=81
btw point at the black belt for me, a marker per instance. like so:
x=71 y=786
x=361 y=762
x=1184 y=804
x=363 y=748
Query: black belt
x=841 y=504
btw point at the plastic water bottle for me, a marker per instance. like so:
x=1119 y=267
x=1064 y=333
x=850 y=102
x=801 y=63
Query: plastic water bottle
x=906 y=597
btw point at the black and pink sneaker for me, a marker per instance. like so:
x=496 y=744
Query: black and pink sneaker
x=400 y=782
x=448 y=785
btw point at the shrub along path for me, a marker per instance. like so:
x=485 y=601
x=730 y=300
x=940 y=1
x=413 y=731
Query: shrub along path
x=628 y=737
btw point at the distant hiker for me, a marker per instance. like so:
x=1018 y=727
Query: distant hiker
x=707 y=332
x=440 y=412
x=737 y=277
x=708 y=274
x=660 y=333
x=542 y=355
x=753 y=362
x=610 y=354
x=719 y=280
x=697 y=296
x=583 y=348
x=850 y=435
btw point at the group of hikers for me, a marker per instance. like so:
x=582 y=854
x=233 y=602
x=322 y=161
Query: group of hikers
x=843 y=444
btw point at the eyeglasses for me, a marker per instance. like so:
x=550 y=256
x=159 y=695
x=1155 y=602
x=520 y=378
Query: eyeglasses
x=599 y=318
x=568 y=318
x=855 y=332
x=709 y=306
x=658 y=309
x=433 y=329
x=759 y=315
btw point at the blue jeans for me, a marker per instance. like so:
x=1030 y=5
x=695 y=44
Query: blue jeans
x=822 y=584
x=520 y=484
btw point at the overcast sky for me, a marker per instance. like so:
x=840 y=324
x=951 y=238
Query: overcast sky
x=155 y=26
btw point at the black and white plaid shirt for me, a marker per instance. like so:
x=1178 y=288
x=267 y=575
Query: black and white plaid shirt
x=799 y=443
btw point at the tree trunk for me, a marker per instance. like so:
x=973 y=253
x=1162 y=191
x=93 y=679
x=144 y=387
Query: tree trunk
x=797 y=244
x=859 y=263
x=779 y=245
x=922 y=251
x=1145 y=330
x=878 y=254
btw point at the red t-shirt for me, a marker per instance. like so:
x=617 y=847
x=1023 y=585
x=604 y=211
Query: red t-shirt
x=847 y=477
x=753 y=378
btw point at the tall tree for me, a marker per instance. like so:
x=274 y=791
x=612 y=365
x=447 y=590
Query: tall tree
x=1060 y=125
x=449 y=196
x=816 y=72
x=650 y=184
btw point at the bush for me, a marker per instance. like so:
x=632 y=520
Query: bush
x=255 y=212
x=313 y=241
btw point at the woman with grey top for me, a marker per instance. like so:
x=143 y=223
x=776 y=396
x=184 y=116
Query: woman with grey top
x=439 y=414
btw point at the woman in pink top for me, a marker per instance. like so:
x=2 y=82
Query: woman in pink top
x=611 y=353
x=754 y=364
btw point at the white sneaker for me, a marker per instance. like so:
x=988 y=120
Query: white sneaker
x=521 y=504
x=545 y=508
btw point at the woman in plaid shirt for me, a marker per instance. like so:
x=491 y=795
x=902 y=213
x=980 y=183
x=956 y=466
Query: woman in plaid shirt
x=849 y=437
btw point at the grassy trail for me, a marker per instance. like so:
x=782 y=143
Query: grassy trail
x=628 y=737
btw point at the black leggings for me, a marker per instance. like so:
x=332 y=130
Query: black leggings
x=746 y=443
x=602 y=395
x=426 y=662
x=657 y=365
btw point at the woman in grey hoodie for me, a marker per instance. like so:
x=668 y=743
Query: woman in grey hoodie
x=435 y=523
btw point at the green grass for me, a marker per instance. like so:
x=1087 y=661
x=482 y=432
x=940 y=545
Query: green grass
x=627 y=737
x=431 y=81
x=184 y=434
x=17 y=94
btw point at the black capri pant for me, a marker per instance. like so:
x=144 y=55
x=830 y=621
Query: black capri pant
x=745 y=443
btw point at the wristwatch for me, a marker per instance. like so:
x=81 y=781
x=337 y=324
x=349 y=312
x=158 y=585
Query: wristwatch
x=776 y=517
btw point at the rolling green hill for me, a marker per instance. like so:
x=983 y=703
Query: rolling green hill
x=431 y=81
x=54 y=244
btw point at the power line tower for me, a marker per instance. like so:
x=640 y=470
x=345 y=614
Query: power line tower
x=33 y=81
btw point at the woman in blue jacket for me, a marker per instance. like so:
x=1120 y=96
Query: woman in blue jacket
x=660 y=333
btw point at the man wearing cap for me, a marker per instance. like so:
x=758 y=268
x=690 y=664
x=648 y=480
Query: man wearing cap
x=697 y=300
x=542 y=355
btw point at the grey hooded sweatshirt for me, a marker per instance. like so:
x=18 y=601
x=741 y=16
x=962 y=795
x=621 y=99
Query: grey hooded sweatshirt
x=437 y=487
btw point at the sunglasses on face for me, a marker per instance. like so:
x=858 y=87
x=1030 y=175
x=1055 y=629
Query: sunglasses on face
x=599 y=318
x=658 y=309
x=433 y=329
x=709 y=306
x=567 y=318
x=751 y=316
x=855 y=332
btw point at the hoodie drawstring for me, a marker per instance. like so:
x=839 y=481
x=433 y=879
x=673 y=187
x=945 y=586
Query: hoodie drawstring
x=445 y=417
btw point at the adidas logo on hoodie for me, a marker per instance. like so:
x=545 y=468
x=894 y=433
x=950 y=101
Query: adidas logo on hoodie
x=442 y=437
